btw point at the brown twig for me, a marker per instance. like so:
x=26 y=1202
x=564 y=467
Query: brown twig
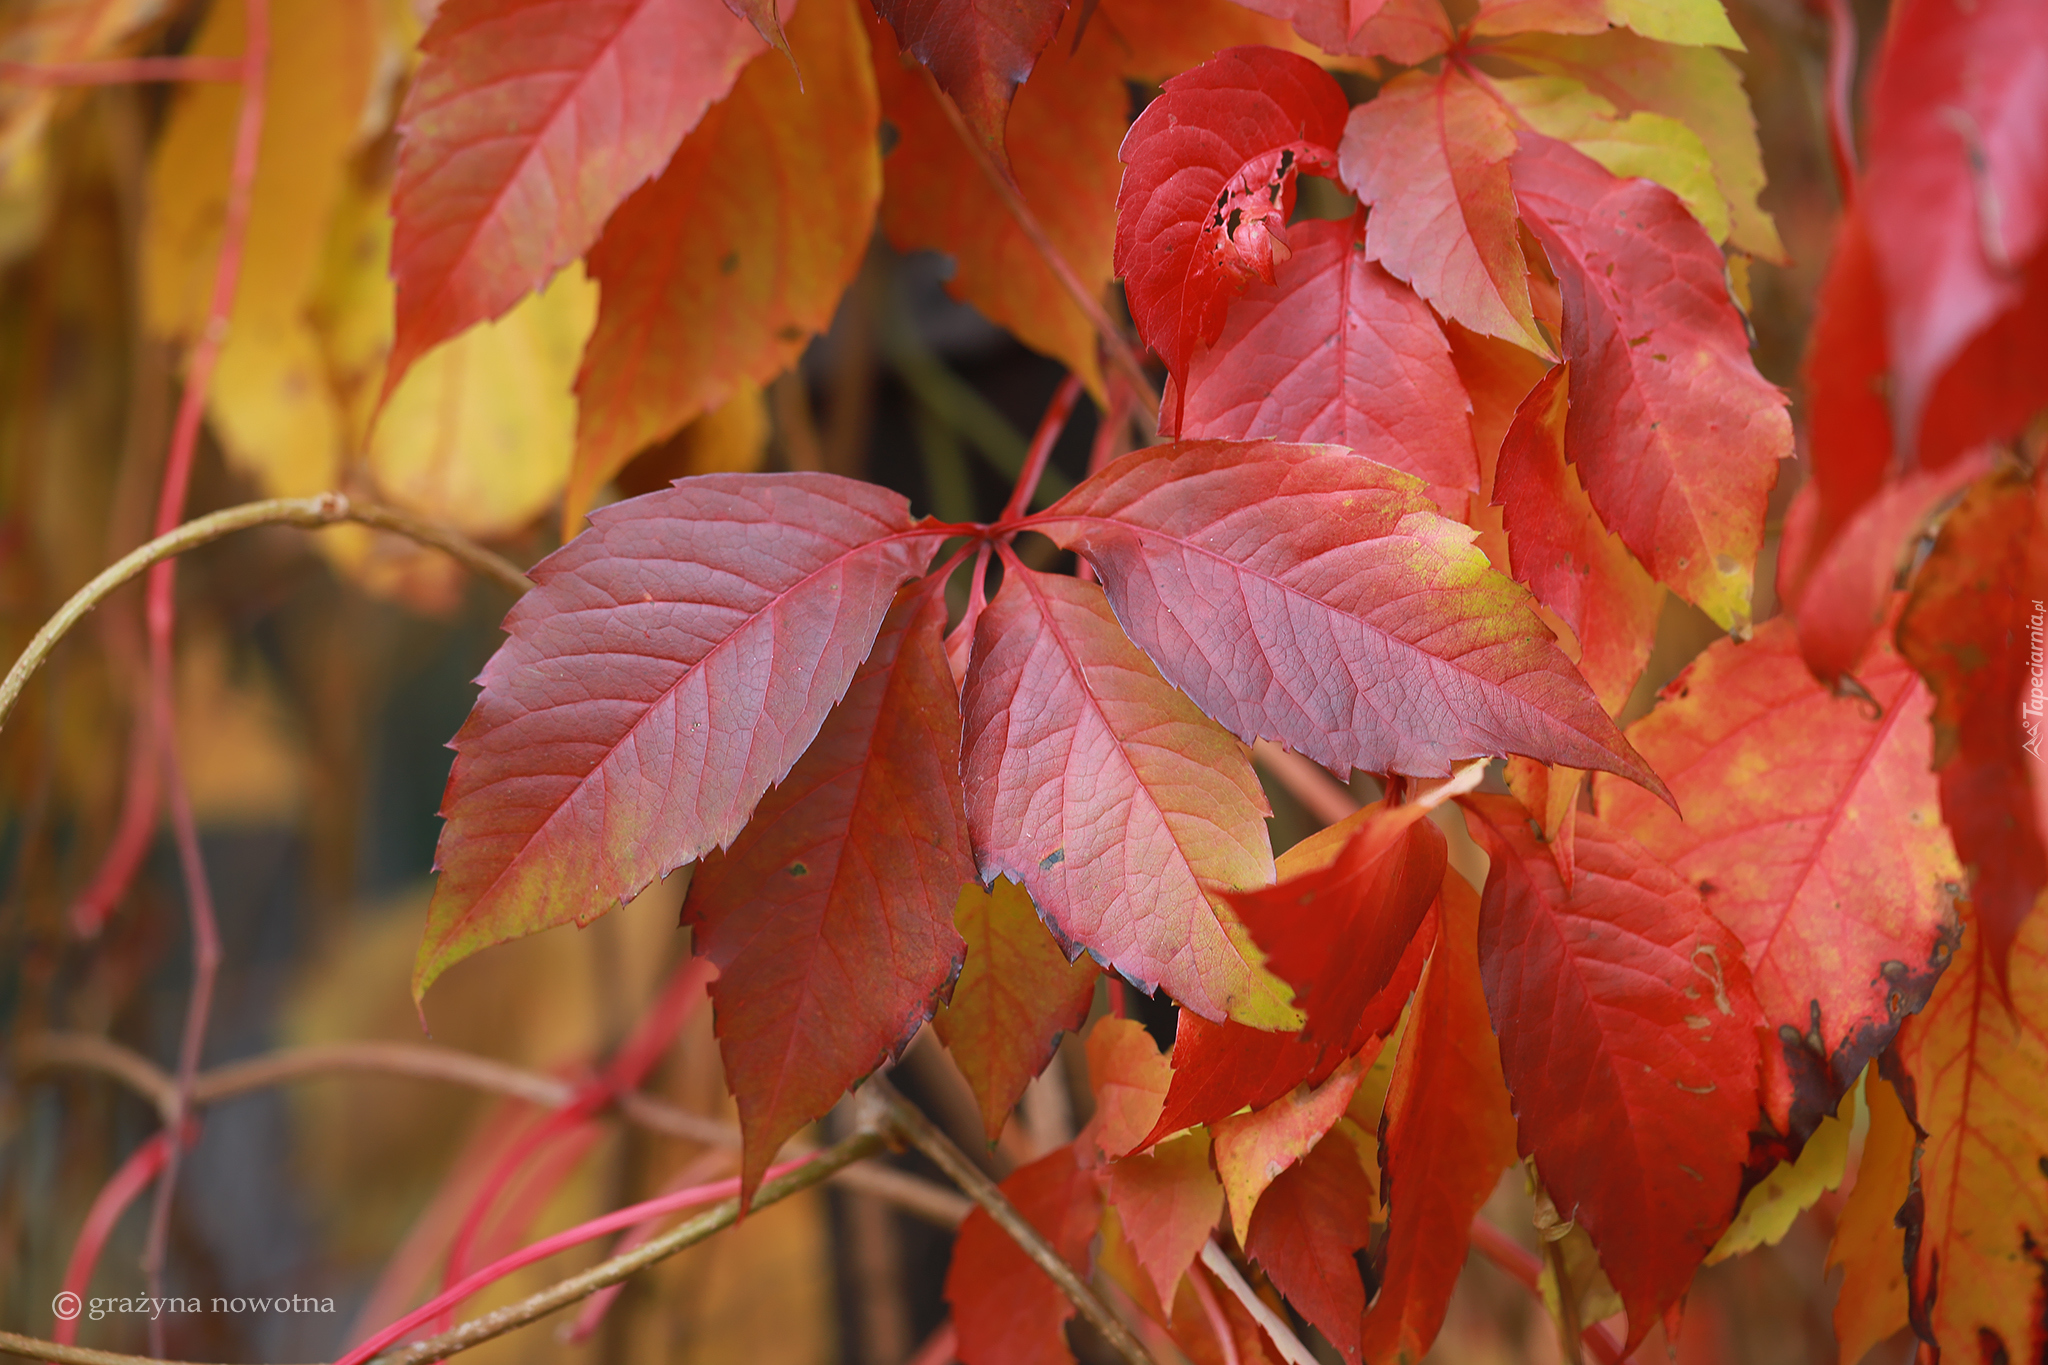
x=326 y=509
x=35 y=1348
x=430 y=1061
x=1226 y=1272
x=1114 y=343
x=914 y=1128
x=134 y=70
x=1521 y=1263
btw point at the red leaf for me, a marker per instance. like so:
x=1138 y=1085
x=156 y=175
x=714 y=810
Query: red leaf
x=979 y=51
x=1572 y=562
x=1006 y=1310
x=1955 y=188
x=1676 y=437
x=1169 y=1202
x=802 y=158
x=1628 y=1037
x=1848 y=424
x=1304 y=1232
x=1253 y=1149
x=1448 y=1135
x=1429 y=155
x=1973 y=629
x=670 y=666
x=1340 y=935
x=1811 y=832
x=528 y=122
x=1977 y=1219
x=1110 y=796
x=1998 y=382
x=1015 y=996
x=1303 y=594
x=1063 y=134
x=1336 y=350
x=830 y=918
x=1203 y=208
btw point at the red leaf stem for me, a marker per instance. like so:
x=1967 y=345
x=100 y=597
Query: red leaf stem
x=1042 y=441
x=123 y=1188
x=133 y=70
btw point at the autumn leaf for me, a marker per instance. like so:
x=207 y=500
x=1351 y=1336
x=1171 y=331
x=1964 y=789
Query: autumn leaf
x=1309 y=1224
x=1341 y=935
x=1129 y=1078
x=778 y=184
x=1447 y=1135
x=1335 y=351
x=1811 y=831
x=1977 y=1232
x=1674 y=434
x=1627 y=1034
x=1168 y=1201
x=668 y=668
x=1665 y=21
x=1790 y=1188
x=1014 y=998
x=1697 y=86
x=1111 y=798
x=1063 y=134
x=1302 y=594
x=830 y=917
x=1869 y=1246
x=1204 y=203
x=528 y=123
x=979 y=52
x=1952 y=191
x=1253 y=1149
x=1972 y=628
x=270 y=403
x=1561 y=549
x=1408 y=31
x=1429 y=155
x=1006 y=1310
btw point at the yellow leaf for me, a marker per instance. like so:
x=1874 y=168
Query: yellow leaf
x=1791 y=1188
x=241 y=762
x=1697 y=86
x=1652 y=146
x=270 y=402
x=1694 y=23
x=322 y=56
x=1977 y=1060
x=479 y=433
x=1869 y=1245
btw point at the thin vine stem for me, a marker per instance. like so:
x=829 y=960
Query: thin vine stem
x=1521 y=1263
x=326 y=509
x=1276 y=1328
x=1042 y=441
x=123 y=1188
x=914 y=1128
x=129 y=71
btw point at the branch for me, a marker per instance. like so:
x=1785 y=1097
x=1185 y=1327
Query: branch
x=35 y=1348
x=430 y=1061
x=1114 y=343
x=914 y=1128
x=129 y=72
x=325 y=509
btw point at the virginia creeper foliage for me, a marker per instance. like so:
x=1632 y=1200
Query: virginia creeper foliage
x=1446 y=306
x=1673 y=974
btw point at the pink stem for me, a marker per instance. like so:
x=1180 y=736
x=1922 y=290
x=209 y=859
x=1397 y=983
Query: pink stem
x=658 y=1028
x=124 y=859
x=1042 y=441
x=503 y=1172
x=123 y=1188
x=130 y=71
x=549 y=1246
x=206 y=954
x=598 y=1304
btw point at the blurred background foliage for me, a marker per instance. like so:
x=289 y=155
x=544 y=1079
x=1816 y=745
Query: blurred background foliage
x=319 y=676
